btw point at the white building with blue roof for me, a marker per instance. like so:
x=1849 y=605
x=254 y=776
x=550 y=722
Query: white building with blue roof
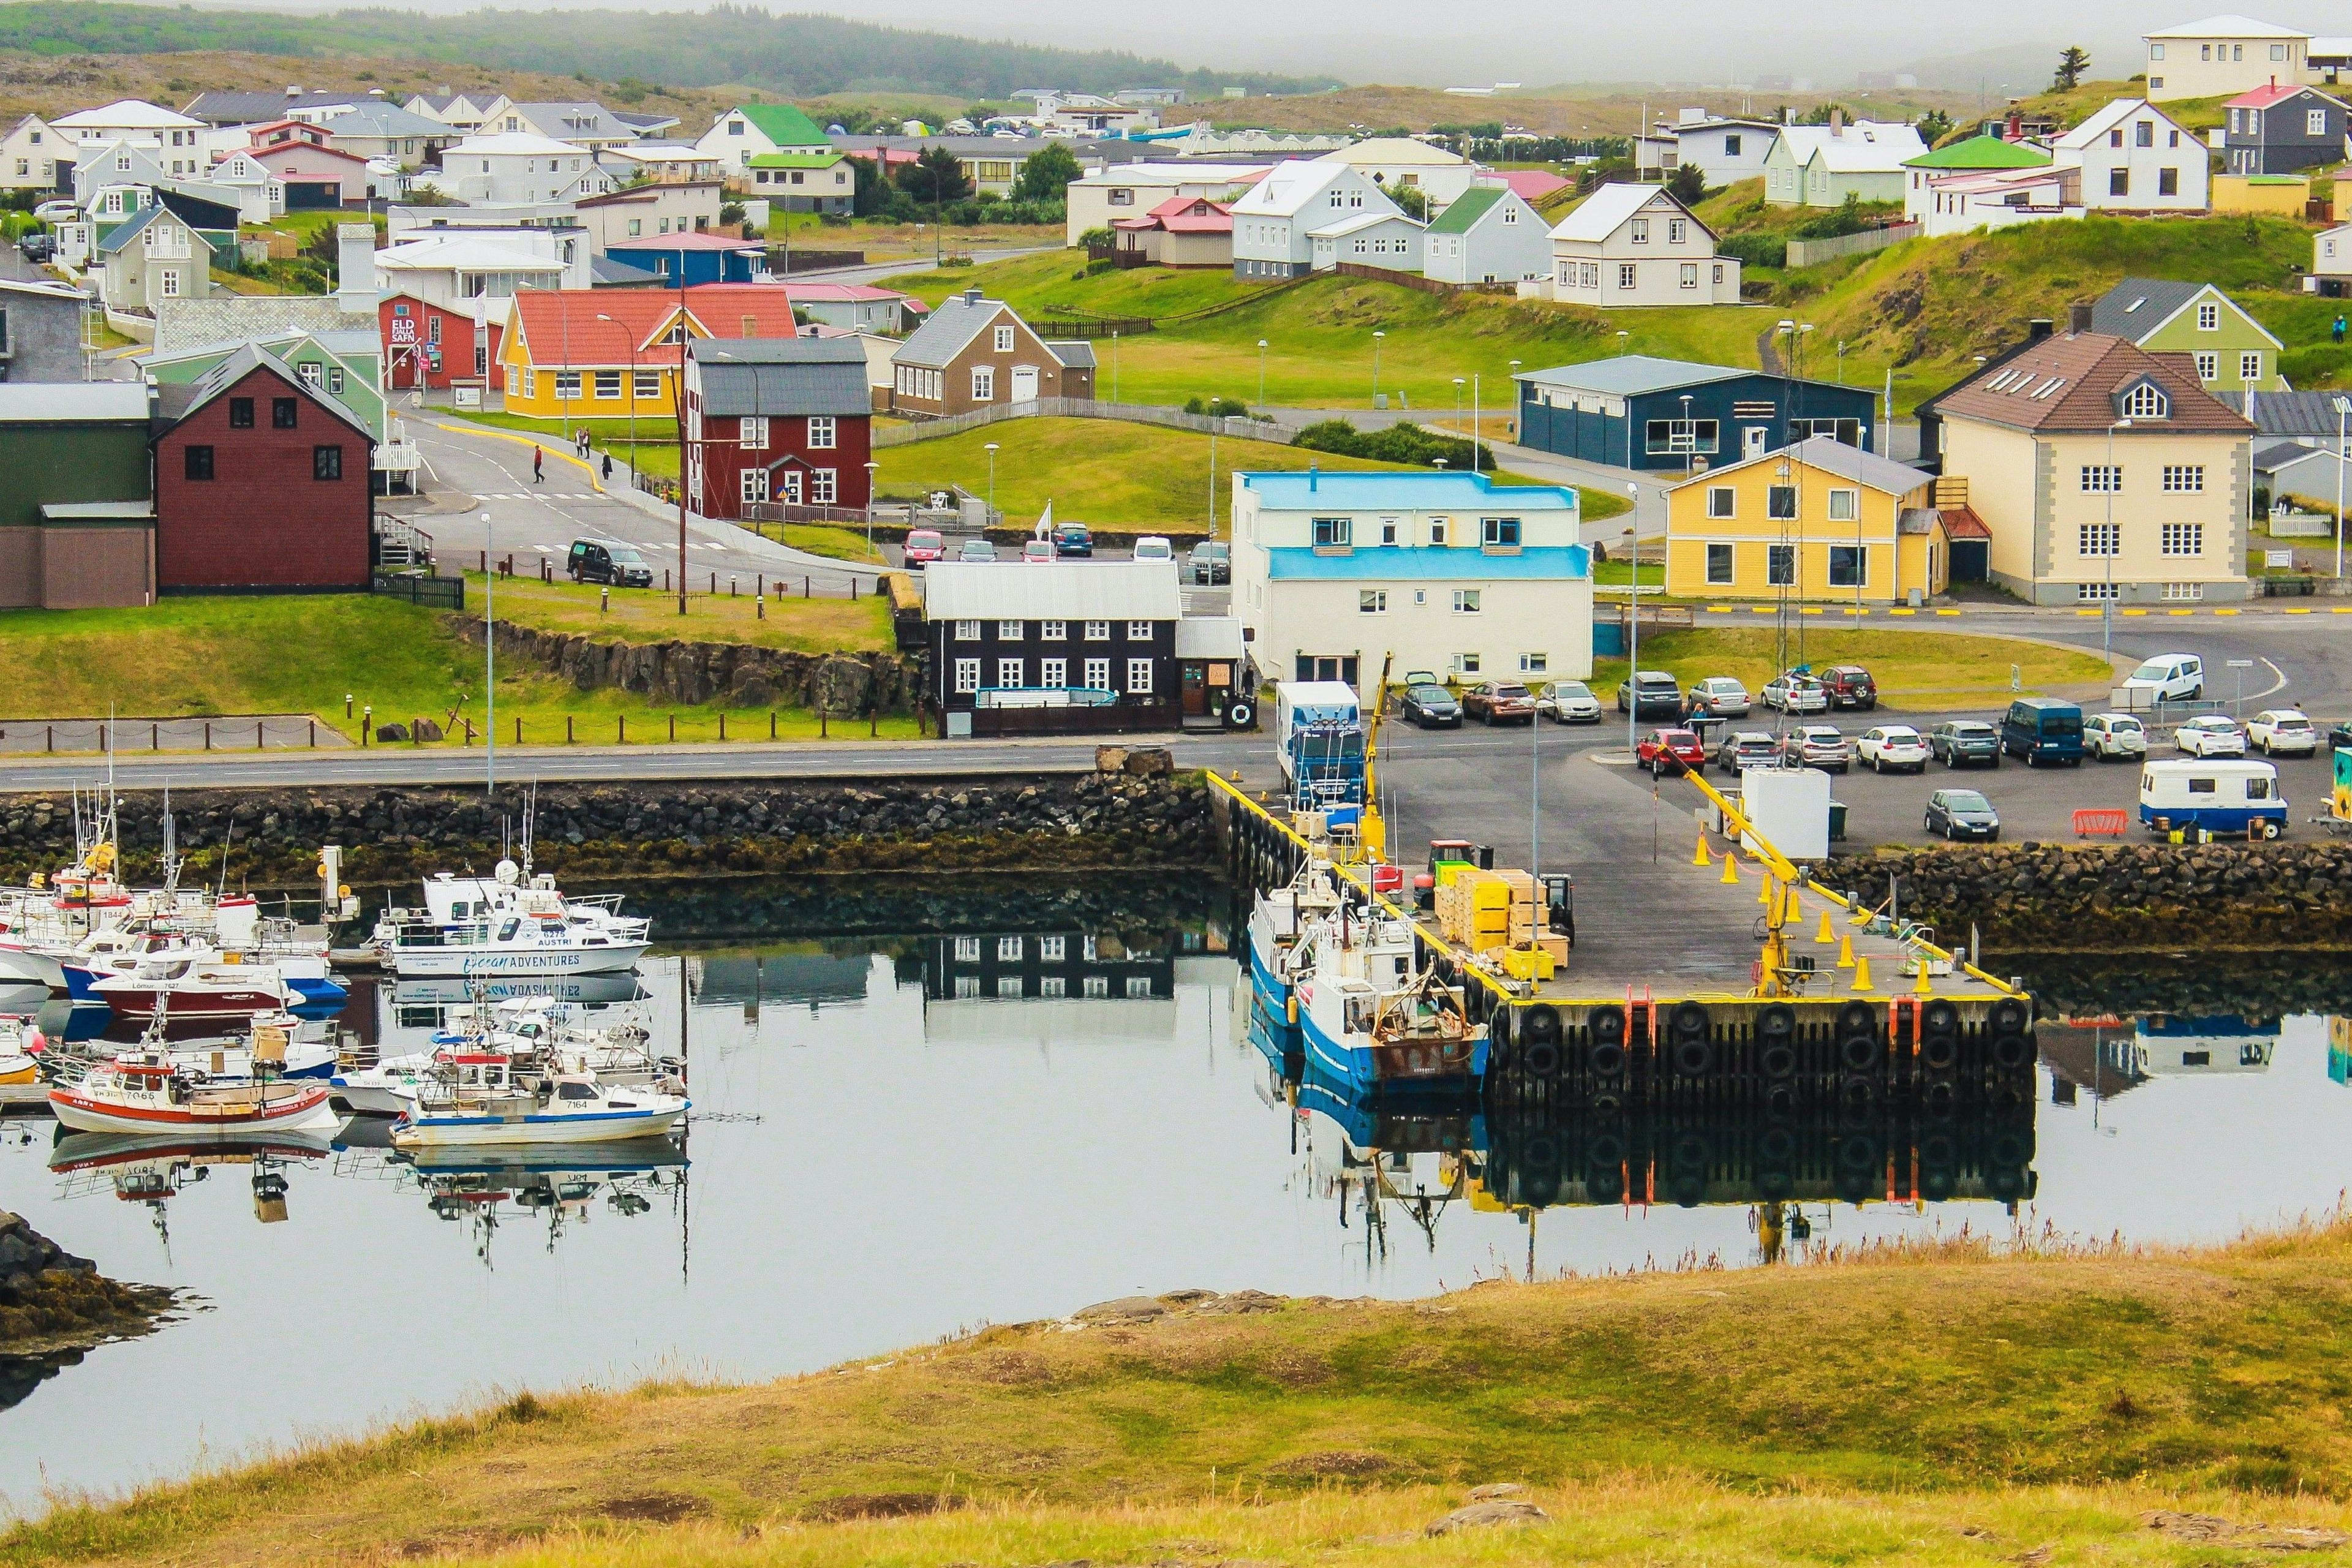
x=1335 y=573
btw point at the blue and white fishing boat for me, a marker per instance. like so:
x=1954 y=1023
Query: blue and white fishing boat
x=1373 y=1017
x=508 y=923
x=1278 y=918
x=479 y=1098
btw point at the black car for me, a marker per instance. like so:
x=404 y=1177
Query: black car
x=1958 y=814
x=1650 y=694
x=1430 y=707
x=607 y=560
x=1965 y=743
x=1849 y=686
x=1072 y=539
x=1213 y=562
x=39 y=246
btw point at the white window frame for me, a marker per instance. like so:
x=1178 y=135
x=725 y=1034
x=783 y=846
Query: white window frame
x=2147 y=401
x=1098 y=675
x=2208 y=365
x=2184 y=590
x=2096 y=592
x=1003 y=340
x=967 y=682
x=607 y=378
x=2181 y=540
x=1722 y=501
x=2103 y=479
x=1466 y=601
x=1855 y=556
x=1138 y=677
x=1138 y=631
x=824 y=486
x=1053 y=673
x=648 y=384
x=983 y=384
x=1010 y=629
x=2184 y=478
x=2209 y=316
x=967 y=631
x=1730 y=573
x=1371 y=601
x=2250 y=365
x=1009 y=672
x=1054 y=631
x=820 y=433
x=1845 y=506
x=1535 y=663
x=1097 y=631
x=751 y=432
x=1466 y=663
x=754 y=485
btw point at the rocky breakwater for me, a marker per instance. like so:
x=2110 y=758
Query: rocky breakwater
x=1137 y=814
x=55 y=1306
x=696 y=674
x=2124 y=898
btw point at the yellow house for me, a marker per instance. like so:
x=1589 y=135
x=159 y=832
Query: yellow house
x=1818 y=519
x=609 y=353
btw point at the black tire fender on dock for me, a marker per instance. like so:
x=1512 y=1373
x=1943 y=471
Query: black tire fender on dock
x=1541 y=1025
x=1501 y=1049
x=1778 y=1060
x=1858 y=1094
x=1776 y=1146
x=1857 y=1017
x=1689 y=1021
x=1860 y=1054
x=1607 y=1026
x=2011 y=1052
x=1694 y=1056
x=1542 y=1058
x=1607 y=1060
x=2007 y=1016
x=1777 y=1021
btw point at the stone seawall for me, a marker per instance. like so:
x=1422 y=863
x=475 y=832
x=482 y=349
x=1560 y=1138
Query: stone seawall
x=2135 y=898
x=691 y=674
x=1122 y=821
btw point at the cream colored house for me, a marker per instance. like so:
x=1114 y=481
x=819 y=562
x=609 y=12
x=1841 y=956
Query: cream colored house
x=30 y=154
x=2101 y=470
x=1635 y=244
x=2223 y=56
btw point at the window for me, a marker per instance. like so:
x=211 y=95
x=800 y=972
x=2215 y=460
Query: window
x=1638 y=231
x=1780 y=501
x=1333 y=533
x=2120 y=180
x=755 y=484
x=2184 y=590
x=308 y=375
x=967 y=682
x=2314 y=121
x=2156 y=51
x=1008 y=672
x=2209 y=316
x=1008 y=950
x=1676 y=435
x=1009 y=629
x=1722 y=500
x=967 y=631
x=2103 y=479
x=647 y=382
x=1731 y=146
x=1096 y=986
x=1122 y=198
x=608 y=384
x=2144 y=134
x=1387 y=530
x=335 y=371
x=983 y=384
x=2095 y=592
x=1848 y=566
x=1535 y=663
x=1371 y=601
x=1624 y=275
x=198 y=463
x=240 y=412
x=1437 y=531
x=2250 y=367
x=1099 y=674
x=2147 y=401
x=1677 y=230
x=1465 y=664
x=751 y=432
x=567 y=384
x=326 y=462
x=1690 y=275
x=2101 y=539
x=2183 y=539
x=1500 y=532
x=1781 y=566
x=1097 y=631
x=637 y=224
x=1138 y=631
x=1845 y=506
x=282 y=412
x=824 y=486
x=1138 y=677
x=1053 y=672
x=1465 y=601
x=1004 y=339
x=2184 y=478
x=820 y=433
x=1718 y=563
x=2208 y=366
x=1054 y=631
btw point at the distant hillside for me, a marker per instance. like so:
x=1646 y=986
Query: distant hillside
x=794 y=56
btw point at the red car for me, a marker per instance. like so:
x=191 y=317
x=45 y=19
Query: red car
x=1500 y=703
x=1665 y=751
x=924 y=546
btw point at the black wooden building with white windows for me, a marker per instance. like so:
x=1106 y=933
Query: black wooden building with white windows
x=1052 y=648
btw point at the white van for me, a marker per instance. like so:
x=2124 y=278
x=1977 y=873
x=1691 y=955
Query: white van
x=2223 y=796
x=2168 y=678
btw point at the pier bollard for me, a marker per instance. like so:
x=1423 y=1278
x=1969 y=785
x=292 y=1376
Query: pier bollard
x=1846 y=952
x=1862 y=974
x=1702 y=857
x=1730 y=869
x=1825 y=935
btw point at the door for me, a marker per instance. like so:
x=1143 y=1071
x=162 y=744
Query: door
x=1196 y=689
x=1025 y=383
x=1751 y=440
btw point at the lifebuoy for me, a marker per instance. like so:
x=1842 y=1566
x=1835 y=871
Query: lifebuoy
x=1240 y=714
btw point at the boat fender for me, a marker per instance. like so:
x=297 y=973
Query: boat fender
x=1857 y=1017
x=1606 y=1025
x=1858 y=1094
x=35 y=1042
x=1858 y=1054
x=1689 y=1021
x=2008 y=1017
x=1695 y=1057
x=1607 y=1060
x=1540 y=1154
x=1542 y=1057
x=1542 y=1023
x=1778 y=1060
x=1776 y=1146
x=1606 y=1152
x=1500 y=1050
x=2010 y=1052
x=1775 y=1021
x=1938 y=1100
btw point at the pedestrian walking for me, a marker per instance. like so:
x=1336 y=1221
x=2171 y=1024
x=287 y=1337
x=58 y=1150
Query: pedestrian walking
x=2336 y=332
x=538 y=465
x=608 y=467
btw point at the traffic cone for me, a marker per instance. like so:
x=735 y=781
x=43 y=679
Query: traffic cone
x=1731 y=870
x=1702 y=857
x=1769 y=891
x=1926 y=981
x=1826 y=935
x=1861 y=975
x=1792 y=912
x=1846 y=952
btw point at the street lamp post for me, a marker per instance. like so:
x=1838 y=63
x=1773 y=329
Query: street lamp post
x=2343 y=407
x=1377 y=336
x=2111 y=543
x=1513 y=425
x=1261 y=374
x=1114 y=364
x=489 y=659
x=686 y=451
x=871 y=471
x=1634 y=629
x=633 y=392
x=1213 y=484
x=991 y=450
x=1459 y=384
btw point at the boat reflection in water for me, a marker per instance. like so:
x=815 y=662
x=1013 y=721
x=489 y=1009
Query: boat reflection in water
x=139 y=1169
x=2111 y=1056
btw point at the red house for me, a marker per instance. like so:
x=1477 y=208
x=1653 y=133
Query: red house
x=777 y=419
x=261 y=484
x=431 y=345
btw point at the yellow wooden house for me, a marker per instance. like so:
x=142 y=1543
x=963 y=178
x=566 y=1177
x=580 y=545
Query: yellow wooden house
x=1818 y=520
x=613 y=353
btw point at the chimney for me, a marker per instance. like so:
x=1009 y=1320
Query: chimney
x=355 y=285
x=2016 y=132
x=2037 y=329
x=972 y=295
x=293 y=90
x=1837 y=121
x=1314 y=475
x=2078 y=316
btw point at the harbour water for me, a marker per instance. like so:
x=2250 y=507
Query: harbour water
x=1024 y=1108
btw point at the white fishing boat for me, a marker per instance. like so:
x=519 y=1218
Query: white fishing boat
x=509 y=923
x=196 y=983
x=1373 y=1018
x=387 y=1089
x=478 y=1100
x=147 y=1092
x=20 y=1046
x=231 y=928
x=1278 y=918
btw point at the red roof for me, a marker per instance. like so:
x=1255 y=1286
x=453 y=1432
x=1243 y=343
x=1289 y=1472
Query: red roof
x=2264 y=96
x=1533 y=184
x=1193 y=214
x=616 y=326
x=1962 y=522
x=696 y=241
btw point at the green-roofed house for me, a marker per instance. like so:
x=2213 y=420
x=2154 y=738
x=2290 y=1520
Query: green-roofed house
x=1488 y=234
x=1975 y=155
x=802 y=181
x=745 y=132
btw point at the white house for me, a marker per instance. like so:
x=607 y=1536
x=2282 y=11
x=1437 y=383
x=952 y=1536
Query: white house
x=1275 y=220
x=2331 y=257
x=582 y=125
x=1967 y=200
x=1389 y=240
x=1100 y=198
x=1336 y=573
x=1488 y=234
x=1635 y=244
x=752 y=127
x=517 y=167
x=1401 y=163
x=455 y=269
x=2135 y=158
x=1821 y=165
x=1724 y=150
x=134 y=121
x=2223 y=56
x=461 y=113
x=387 y=132
x=650 y=210
x=30 y=154
x=261 y=194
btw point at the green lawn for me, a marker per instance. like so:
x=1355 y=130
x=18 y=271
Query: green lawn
x=1915 y=670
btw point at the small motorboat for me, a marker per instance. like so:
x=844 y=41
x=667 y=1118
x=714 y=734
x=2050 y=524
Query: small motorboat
x=507 y=924
x=146 y=1092
x=196 y=983
x=387 y=1089
x=21 y=1044
x=477 y=1099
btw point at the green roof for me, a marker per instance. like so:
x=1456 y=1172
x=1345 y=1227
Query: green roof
x=783 y=124
x=795 y=160
x=1467 y=209
x=1980 y=153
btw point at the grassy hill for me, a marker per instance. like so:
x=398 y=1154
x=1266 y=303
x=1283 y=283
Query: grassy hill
x=1954 y=1404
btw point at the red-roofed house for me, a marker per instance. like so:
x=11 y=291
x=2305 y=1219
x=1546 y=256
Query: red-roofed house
x=609 y=353
x=1533 y=184
x=315 y=175
x=858 y=307
x=1183 y=231
x=2282 y=129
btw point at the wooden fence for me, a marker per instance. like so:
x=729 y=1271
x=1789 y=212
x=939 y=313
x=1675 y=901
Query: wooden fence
x=1081 y=408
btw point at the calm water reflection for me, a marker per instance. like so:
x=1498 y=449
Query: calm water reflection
x=896 y=1137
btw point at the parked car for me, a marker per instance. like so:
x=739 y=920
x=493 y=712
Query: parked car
x=1896 y=746
x=38 y=246
x=975 y=549
x=2211 y=735
x=924 y=546
x=1151 y=547
x=2339 y=734
x=56 y=212
x=1038 y=550
x=1965 y=742
x=1568 y=703
x=607 y=560
x=1650 y=694
x=2115 y=737
x=1499 y=702
x=1422 y=677
x=1718 y=697
x=2042 y=730
x=1958 y=814
x=1795 y=693
x=2170 y=677
x=1850 y=686
x=1212 y=561
x=1748 y=749
x=2276 y=732
x=1821 y=746
x=1430 y=706
x=1666 y=752
x=1073 y=539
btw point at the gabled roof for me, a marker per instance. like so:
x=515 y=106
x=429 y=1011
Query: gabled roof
x=2137 y=307
x=1981 y=153
x=785 y=377
x=128 y=114
x=613 y=327
x=2227 y=26
x=1401 y=150
x=644 y=124
x=700 y=239
x=2305 y=413
x=1603 y=212
x=2107 y=119
x=1356 y=222
x=234 y=108
x=183 y=324
x=2069 y=382
x=1630 y=375
x=257 y=153
x=462 y=251
x=1467 y=209
x=244 y=362
x=1076 y=353
x=1289 y=187
x=123 y=233
x=953 y=326
x=1533 y=184
x=516 y=145
x=611 y=272
x=1827 y=454
x=1051 y=591
x=781 y=124
x=384 y=120
x=1859 y=147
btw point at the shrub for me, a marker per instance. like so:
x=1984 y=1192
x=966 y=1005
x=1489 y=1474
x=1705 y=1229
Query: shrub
x=1394 y=443
x=1755 y=250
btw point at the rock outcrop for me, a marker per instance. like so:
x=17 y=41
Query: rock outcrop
x=694 y=674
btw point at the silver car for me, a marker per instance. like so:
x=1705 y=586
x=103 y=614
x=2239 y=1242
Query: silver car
x=1748 y=749
x=1794 y=693
x=1718 y=697
x=1819 y=746
x=1568 y=703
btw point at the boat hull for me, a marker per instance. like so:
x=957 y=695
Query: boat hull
x=23 y=966
x=598 y=1127
x=139 y=1001
x=308 y=1109
x=466 y=962
x=1393 y=1070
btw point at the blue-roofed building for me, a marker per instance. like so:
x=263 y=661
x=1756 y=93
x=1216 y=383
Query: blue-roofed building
x=1637 y=412
x=1335 y=573
x=687 y=260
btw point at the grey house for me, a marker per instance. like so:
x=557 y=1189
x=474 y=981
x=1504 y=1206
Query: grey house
x=2283 y=129
x=40 y=330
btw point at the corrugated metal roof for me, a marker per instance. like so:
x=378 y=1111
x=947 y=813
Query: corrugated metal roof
x=1467 y=208
x=1350 y=490
x=956 y=322
x=1051 y=591
x=1827 y=454
x=783 y=377
x=1549 y=563
x=2310 y=414
x=70 y=402
x=1629 y=376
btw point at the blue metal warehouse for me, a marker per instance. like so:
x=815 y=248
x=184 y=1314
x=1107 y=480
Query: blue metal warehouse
x=1636 y=412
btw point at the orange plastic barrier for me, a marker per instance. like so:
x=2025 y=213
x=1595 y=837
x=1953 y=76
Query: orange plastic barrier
x=2102 y=822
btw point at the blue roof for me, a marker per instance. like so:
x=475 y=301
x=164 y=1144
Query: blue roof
x=1389 y=564
x=1436 y=491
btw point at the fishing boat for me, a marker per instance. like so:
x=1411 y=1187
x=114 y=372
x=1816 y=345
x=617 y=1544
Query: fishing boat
x=146 y=1092
x=230 y=927
x=1278 y=918
x=512 y=922
x=196 y=983
x=478 y=1099
x=20 y=1047
x=1374 y=1016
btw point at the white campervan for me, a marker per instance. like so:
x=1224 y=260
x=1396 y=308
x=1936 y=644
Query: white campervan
x=2220 y=795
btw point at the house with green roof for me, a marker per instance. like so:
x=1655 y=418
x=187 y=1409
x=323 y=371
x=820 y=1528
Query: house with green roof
x=1488 y=234
x=1973 y=155
x=802 y=181
x=749 y=130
